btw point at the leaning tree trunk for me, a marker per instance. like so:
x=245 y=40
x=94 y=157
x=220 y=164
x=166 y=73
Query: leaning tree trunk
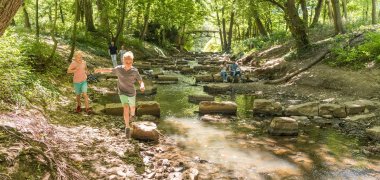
x=7 y=10
x=296 y=25
x=318 y=9
x=224 y=32
x=259 y=24
x=121 y=22
x=74 y=36
x=337 y=17
x=53 y=28
x=374 y=17
x=220 y=30
x=88 y=15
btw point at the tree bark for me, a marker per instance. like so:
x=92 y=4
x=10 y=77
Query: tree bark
x=146 y=21
x=318 y=9
x=296 y=26
x=121 y=21
x=61 y=12
x=229 y=44
x=104 y=21
x=37 y=23
x=224 y=31
x=330 y=10
x=220 y=30
x=7 y=10
x=53 y=29
x=374 y=15
x=74 y=36
x=88 y=15
x=305 y=14
x=344 y=6
x=259 y=23
x=26 y=17
x=337 y=17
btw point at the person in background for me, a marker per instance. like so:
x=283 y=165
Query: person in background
x=127 y=76
x=121 y=53
x=112 y=51
x=223 y=71
x=235 y=71
x=78 y=67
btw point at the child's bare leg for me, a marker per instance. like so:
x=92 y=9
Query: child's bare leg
x=86 y=100
x=126 y=115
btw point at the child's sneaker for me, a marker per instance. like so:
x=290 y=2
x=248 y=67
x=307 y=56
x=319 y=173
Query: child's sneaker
x=88 y=111
x=127 y=132
x=79 y=109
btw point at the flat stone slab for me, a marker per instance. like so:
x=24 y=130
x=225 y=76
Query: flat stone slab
x=334 y=110
x=167 y=78
x=217 y=88
x=283 y=126
x=145 y=130
x=305 y=109
x=115 y=109
x=361 y=117
x=267 y=107
x=374 y=133
x=198 y=98
x=214 y=119
x=148 y=108
x=204 y=78
x=359 y=106
x=165 y=82
x=211 y=107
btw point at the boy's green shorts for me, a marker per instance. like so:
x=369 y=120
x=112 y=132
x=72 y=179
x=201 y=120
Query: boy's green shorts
x=126 y=100
x=80 y=87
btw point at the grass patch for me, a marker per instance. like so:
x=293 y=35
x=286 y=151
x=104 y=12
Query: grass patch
x=133 y=157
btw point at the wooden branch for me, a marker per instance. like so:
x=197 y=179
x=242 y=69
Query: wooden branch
x=274 y=2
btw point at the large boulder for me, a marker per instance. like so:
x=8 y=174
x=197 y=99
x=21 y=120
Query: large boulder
x=217 y=88
x=196 y=98
x=374 y=133
x=115 y=109
x=145 y=130
x=148 y=108
x=210 y=107
x=283 y=126
x=305 y=109
x=167 y=78
x=334 y=110
x=266 y=107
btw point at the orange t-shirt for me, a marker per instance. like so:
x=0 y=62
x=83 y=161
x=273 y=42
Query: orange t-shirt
x=80 y=73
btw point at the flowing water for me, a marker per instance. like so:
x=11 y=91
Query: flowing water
x=244 y=147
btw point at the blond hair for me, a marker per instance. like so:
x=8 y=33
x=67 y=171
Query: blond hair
x=128 y=54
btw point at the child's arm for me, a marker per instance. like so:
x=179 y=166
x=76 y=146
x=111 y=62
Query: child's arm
x=71 y=69
x=142 y=86
x=103 y=70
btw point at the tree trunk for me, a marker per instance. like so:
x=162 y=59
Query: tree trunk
x=296 y=26
x=146 y=21
x=61 y=12
x=344 y=6
x=337 y=17
x=318 y=9
x=230 y=31
x=7 y=10
x=329 y=6
x=374 y=15
x=259 y=24
x=74 y=37
x=104 y=21
x=37 y=23
x=121 y=21
x=26 y=17
x=224 y=31
x=53 y=29
x=220 y=31
x=88 y=15
x=305 y=14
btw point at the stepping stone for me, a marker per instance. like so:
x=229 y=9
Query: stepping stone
x=374 y=133
x=199 y=98
x=214 y=119
x=211 y=107
x=305 y=109
x=204 y=78
x=334 y=110
x=266 y=107
x=167 y=78
x=283 y=126
x=145 y=130
x=148 y=108
x=217 y=88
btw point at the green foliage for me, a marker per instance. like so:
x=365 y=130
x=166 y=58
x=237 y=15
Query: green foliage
x=133 y=157
x=261 y=42
x=25 y=71
x=357 y=57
